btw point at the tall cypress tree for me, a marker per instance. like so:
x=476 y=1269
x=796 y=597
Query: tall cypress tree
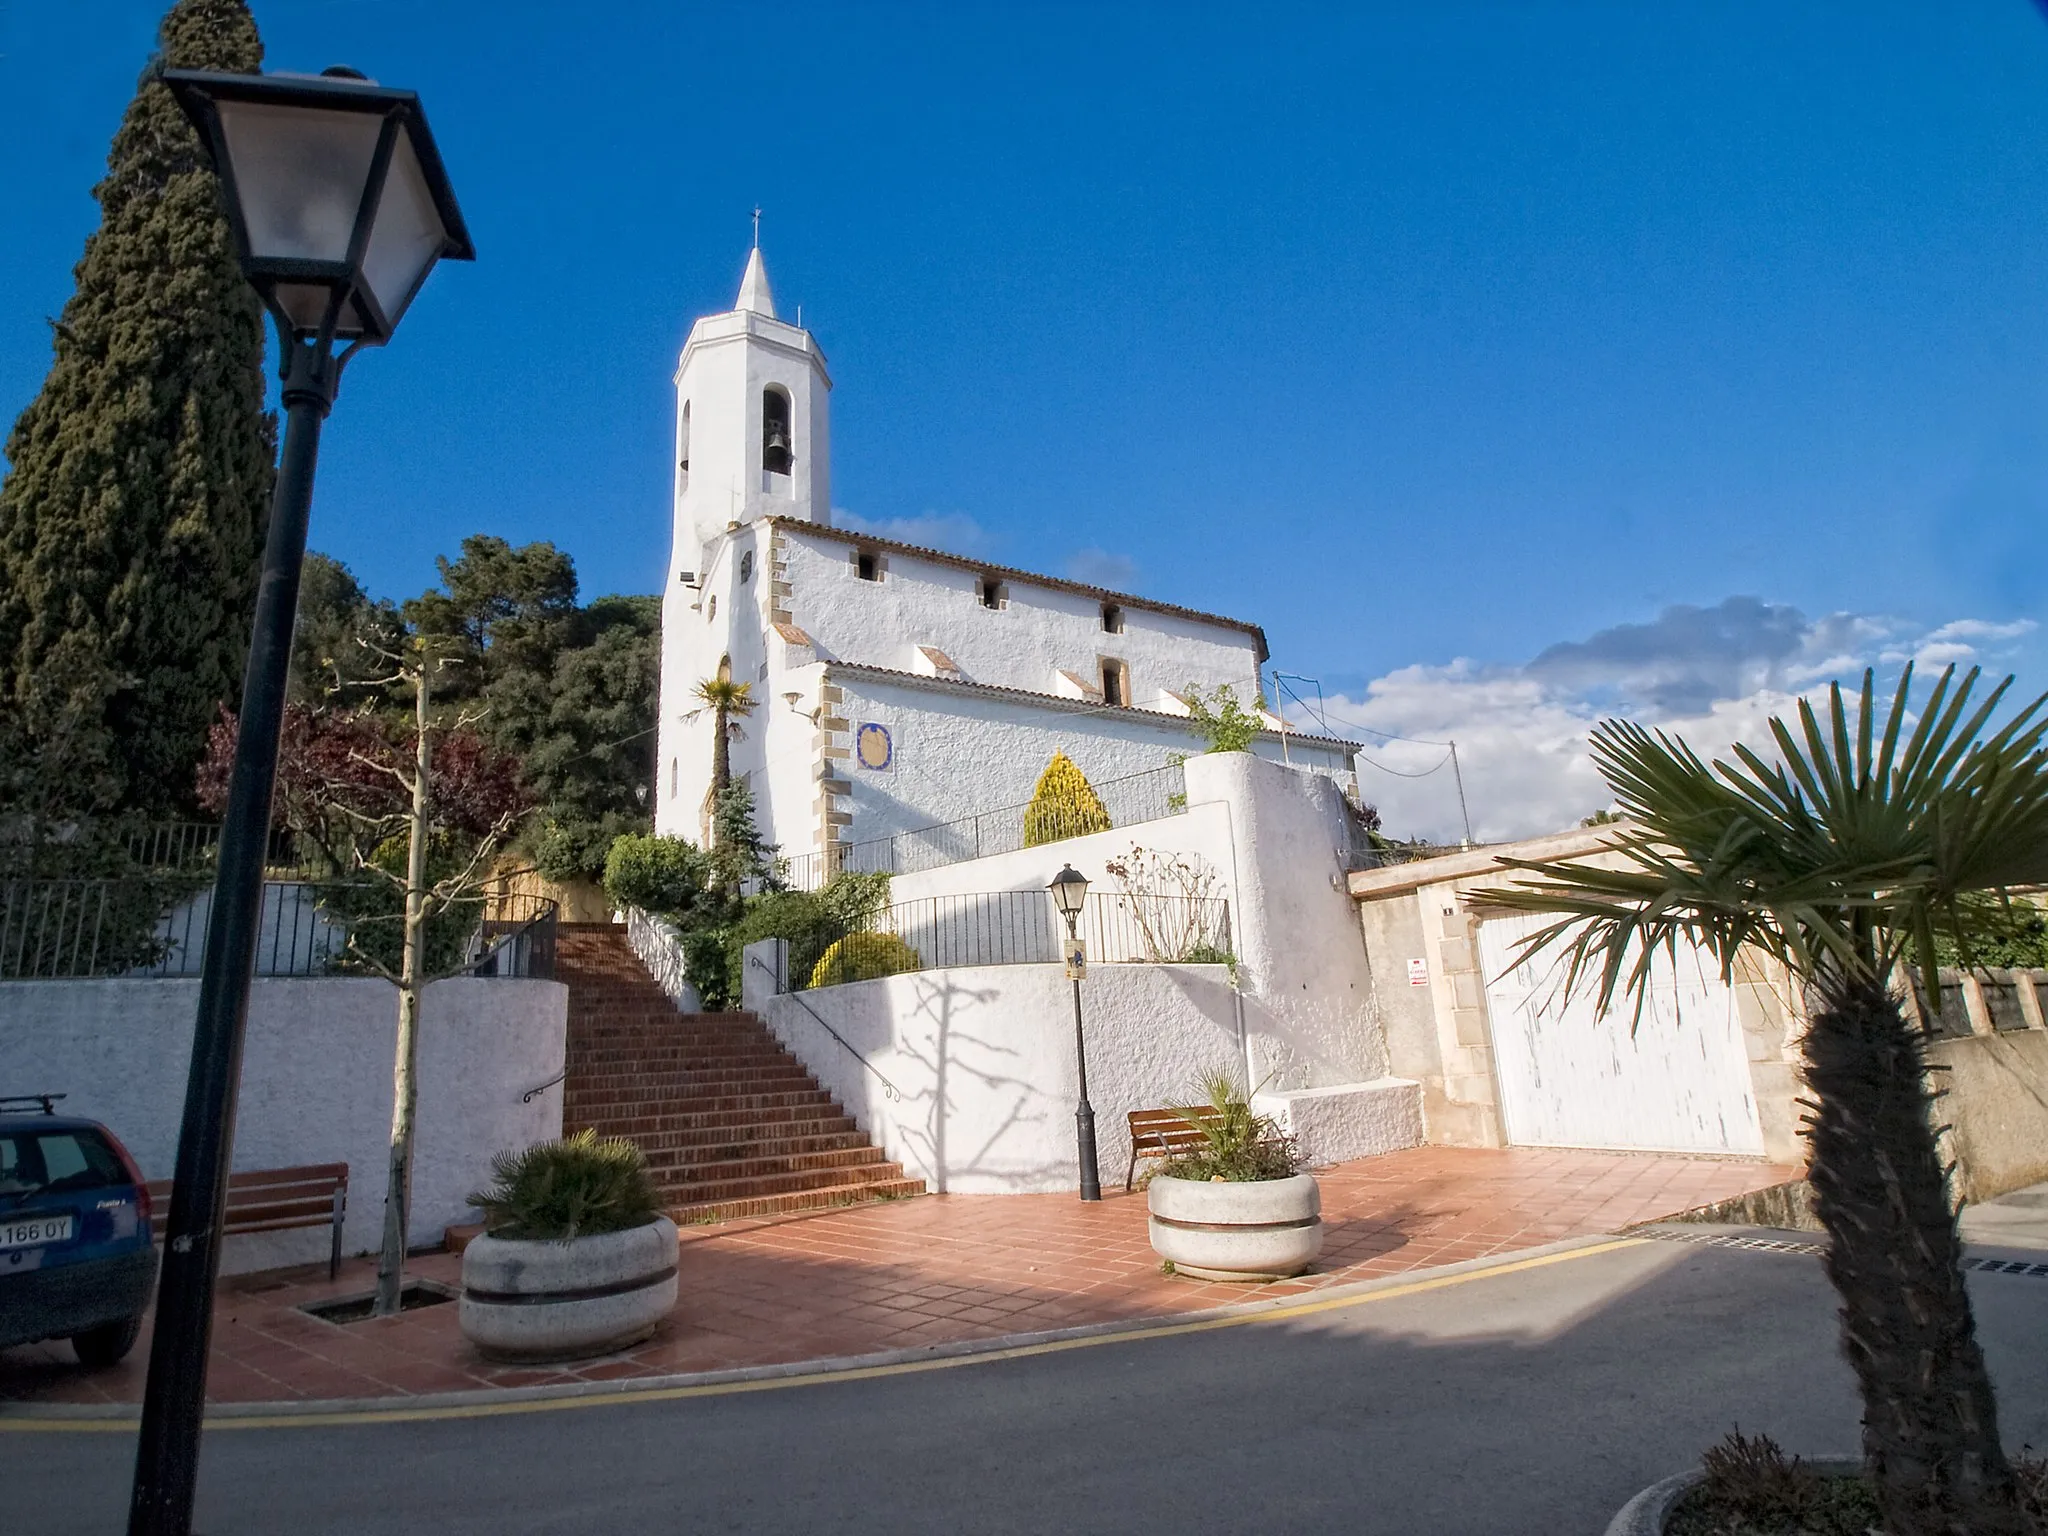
x=132 y=516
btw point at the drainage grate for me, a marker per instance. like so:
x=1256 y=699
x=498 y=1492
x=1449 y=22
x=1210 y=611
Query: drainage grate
x=1730 y=1240
x=2008 y=1267
x=1819 y=1250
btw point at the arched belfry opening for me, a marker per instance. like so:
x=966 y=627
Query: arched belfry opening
x=683 y=449
x=778 y=441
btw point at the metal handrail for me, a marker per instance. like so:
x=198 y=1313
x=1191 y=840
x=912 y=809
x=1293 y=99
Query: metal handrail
x=533 y=1093
x=536 y=933
x=895 y=1094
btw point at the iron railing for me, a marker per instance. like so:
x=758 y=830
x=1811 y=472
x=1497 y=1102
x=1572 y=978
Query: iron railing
x=192 y=845
x=516 y=937
x=1137 y=797
x=156 y=926
x=1018 y=928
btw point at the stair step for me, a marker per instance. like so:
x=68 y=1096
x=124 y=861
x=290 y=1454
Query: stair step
x=732 y=1124
x=724 y=1147
x=707 y=1211
x=809 y=1120
x=753 y=1186
x=686 y=1174
x=633 y=1106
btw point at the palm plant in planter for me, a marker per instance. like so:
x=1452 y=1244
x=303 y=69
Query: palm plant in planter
x=1237 y=1207
x=576 y=1257
x=1851 y=856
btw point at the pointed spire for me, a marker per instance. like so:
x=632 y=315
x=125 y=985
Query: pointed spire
x=754 y=294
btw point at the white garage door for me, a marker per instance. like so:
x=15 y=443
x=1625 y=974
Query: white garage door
x=1571 y=1078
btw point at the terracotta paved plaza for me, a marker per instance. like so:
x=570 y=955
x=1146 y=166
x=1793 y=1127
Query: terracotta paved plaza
x=912 y=1273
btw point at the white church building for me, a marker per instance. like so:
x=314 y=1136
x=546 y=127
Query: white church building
x=906 y=699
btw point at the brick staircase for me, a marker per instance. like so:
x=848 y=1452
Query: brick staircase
x=731 y=1123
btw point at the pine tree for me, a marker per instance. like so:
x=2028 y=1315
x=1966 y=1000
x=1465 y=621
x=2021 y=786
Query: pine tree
x=1063 y=805
x=132 y=516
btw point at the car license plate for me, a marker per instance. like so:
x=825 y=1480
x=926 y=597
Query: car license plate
x=34 y=1231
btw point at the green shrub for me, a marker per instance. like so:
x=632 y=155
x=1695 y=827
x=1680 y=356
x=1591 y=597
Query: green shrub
x=1227 y=724
x=798 y=918
x=373 y=910
x=862 y=957
x=707 y=968
x=1063 y=805
x=853 y=898
x=666 y=875
x=1239 y=1147
x=576 y=1187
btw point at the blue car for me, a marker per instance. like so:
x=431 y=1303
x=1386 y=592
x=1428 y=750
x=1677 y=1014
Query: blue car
x=76 y=1260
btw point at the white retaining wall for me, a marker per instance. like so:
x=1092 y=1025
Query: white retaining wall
x=1276 y=835
x=316 y=1082
x=982 y=1058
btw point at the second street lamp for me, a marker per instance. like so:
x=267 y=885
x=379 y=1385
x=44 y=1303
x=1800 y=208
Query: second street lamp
x=339 y=208
x=1069 y=890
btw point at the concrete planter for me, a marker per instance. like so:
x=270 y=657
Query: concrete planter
x=1260 y=1231
x=1646 y=1513
x=525 y=1300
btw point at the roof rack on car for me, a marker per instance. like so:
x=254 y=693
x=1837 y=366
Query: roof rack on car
x=47 y=1102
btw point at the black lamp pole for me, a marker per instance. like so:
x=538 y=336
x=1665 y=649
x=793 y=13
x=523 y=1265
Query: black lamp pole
x=167 y=1457
x=1084 y=1113
x=305 y=166
x=1069 y=891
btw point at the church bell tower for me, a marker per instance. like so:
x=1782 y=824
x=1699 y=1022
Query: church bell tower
x=751 y=421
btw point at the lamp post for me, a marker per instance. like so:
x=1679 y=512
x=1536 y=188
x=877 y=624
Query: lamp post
x=1070 y=894
x=339 y=207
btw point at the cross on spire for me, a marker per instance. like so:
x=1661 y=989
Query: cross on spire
x=757 y=226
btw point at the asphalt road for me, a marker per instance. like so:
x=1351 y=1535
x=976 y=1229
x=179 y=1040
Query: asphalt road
x=1533 y=1402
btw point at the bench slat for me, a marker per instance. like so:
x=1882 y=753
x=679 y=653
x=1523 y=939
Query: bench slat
x=272 y=1200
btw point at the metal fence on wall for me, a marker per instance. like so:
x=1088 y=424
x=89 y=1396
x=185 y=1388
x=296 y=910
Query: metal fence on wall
x=60 y=929
x=1022 y=928
x=1137 y=797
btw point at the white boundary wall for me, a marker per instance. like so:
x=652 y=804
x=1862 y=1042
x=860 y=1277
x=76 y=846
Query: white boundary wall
x=316 y=1082
x=982 y=1058
x=1276 y=836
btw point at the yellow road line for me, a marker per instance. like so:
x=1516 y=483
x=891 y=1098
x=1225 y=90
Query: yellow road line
x=401 y=1415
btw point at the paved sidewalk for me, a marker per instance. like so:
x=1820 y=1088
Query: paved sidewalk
x=906 y=1274
x=2017 y=1220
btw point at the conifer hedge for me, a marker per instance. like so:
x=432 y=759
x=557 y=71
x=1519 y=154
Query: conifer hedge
x=132 y=516
x=1063 y=805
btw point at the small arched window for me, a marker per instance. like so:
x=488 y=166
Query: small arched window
x=746 y=566
x=778 y=444
x=683 y=447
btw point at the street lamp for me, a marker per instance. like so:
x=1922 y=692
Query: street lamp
x=1070 y=895
x=339 y=207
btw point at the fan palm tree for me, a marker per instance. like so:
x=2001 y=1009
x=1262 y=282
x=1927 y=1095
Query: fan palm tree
x=729 y=703
x=1850 y=856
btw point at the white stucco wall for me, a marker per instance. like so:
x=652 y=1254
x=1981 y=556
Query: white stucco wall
x=958 y=754
x=983 y=1060
x=1310 y=1013
x=316 y=1082
x=1038 y=631
x=1275 y=835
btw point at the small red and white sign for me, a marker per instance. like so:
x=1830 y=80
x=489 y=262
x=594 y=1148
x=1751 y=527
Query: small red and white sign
x=1418 y=973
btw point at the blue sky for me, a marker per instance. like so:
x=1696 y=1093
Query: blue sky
x=1508 y=362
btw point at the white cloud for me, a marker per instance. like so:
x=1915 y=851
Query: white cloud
x=1712 y=676
x=1099 y=568
x=954 y=532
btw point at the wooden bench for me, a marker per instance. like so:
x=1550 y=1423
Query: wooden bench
x=1165 y=1133
x=275 y=1200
